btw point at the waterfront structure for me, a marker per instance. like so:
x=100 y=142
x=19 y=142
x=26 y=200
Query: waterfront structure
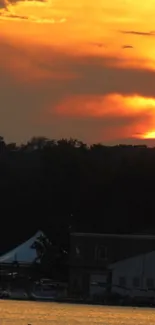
x=100 y=264
x=134 y=277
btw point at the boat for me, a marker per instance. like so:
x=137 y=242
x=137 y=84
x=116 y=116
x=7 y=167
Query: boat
x=4 y=294
x=44 y=290
x=14 y=294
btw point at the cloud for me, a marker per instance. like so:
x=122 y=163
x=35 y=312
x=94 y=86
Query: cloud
x=45 y=94
x=106 y=105
x=133 y=32
x=96 y=75
x=104 y=75
x=7 y=15
x=127 y=47
x=8 y=12
x=5 y=3
x=117 y=114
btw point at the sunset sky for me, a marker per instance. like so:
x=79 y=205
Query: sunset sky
x=82 y=69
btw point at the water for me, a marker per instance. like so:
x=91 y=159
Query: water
x=23 y=313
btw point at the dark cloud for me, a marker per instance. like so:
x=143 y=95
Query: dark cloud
x=93 y=75
x=127 y=47
x=103 y=75
x=103 y=79
x=133 y=32
x=5 y=3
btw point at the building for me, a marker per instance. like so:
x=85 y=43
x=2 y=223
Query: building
x=108 y=264
x=134 y=277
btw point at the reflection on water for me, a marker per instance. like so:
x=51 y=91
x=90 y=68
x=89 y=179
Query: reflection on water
x=23 y=313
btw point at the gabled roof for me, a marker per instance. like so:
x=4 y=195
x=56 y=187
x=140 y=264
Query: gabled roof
x=139 y=263
x=24 y=253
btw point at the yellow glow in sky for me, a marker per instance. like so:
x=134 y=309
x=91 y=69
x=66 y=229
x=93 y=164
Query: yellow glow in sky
x=149 y=135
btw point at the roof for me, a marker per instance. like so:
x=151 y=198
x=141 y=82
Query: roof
x=123 y=236
x=143 y=262
x=24 y=253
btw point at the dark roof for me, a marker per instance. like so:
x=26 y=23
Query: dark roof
x=123 y=236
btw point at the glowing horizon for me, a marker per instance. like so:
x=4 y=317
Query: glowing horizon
x=149 y=135
x=85 y=69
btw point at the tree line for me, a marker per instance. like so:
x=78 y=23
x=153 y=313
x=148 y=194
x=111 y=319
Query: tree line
x=66 y=185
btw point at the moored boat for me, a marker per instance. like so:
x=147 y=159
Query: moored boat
x=44 y=290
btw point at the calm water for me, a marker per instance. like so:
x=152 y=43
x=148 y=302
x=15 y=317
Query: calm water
x=23 y=313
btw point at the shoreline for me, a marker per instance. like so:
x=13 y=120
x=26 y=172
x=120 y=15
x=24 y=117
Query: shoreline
x=83 y=302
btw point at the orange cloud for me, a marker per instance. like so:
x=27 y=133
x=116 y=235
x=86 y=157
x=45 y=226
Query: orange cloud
x=132 y=114
x=106 y=105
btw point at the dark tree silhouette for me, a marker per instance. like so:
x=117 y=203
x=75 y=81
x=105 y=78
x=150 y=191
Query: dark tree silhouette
x=60 y=185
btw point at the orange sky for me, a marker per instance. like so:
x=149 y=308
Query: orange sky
x=84 y=69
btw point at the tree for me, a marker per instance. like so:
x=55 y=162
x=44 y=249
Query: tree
x=50 y=185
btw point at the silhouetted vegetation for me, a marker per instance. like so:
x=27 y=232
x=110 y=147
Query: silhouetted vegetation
x=62 y=186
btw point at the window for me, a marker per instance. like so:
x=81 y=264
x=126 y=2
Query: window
x=78 y=250
x=150 y=283
x=122 y=281
x=101 y=253
x=136 y=282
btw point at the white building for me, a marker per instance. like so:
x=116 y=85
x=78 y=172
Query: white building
x=134 y=276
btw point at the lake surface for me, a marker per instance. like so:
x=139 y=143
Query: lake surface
x=24 y=313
